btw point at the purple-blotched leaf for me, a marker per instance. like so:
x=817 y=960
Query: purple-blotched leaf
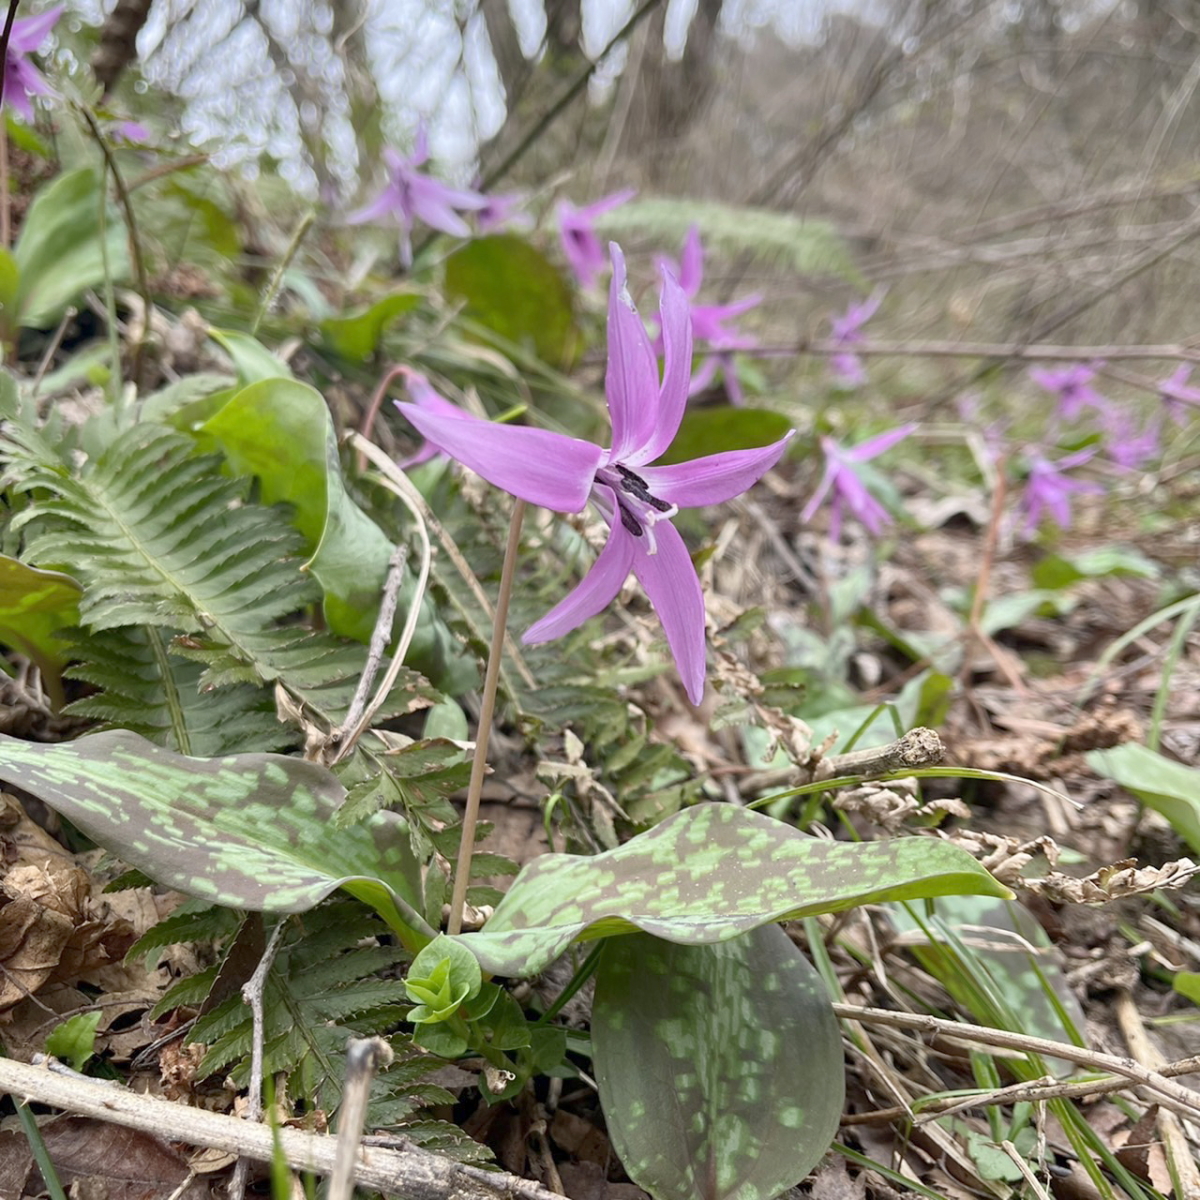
x=34 y=606
x=720 y=1067
x=248 y=830
x=705 y=875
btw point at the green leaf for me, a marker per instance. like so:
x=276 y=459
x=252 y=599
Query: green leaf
x=280 y=431
x=356 y=336
x=705 y=875
x=1168 y=787
x=994 y=957
x=252 y=361
x=74 y=1040
x=720 y=1067
x=1187 y=983
x=512 y=288
x=441 y=978
x=9 y=286
x=59 y=254
x=723 y=427
x=246 y=831
x=1060 y=571
x=34 y=606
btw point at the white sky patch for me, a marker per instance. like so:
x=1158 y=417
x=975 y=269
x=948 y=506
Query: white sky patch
x=675 y=27
x=529 y=20
x=602 y=21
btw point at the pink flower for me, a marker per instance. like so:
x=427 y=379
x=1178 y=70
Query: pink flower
x=1073 y=387
x=411 y=196
x=1049 y=490
x=504 y=212
x=21 y=78
x=1125 y=446
x=846 y=332
x=843 y=483
x=635 y=499
x=709 y=321
x=425 y=396
x=1176 y=394
x=580 y=244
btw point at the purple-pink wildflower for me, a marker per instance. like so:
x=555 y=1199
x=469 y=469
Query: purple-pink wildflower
x=425 y=395
x=580 y=243
x=1124 y=445
x=1177 y=394
x=844 y=485
x=636 y=500
x=411 y=196
x=506 y=211
x=1048 y=489
x=846 y=333
x=1072 y=386
x=709 y=321
x=21 y=78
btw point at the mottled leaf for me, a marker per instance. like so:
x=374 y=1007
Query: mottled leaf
x=720 y=1067
x=34 y=606
x=512 y=288
x=247 y=831
x=1168 y=787
x=705 y=875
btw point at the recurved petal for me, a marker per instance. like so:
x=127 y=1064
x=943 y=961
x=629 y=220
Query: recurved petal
x=594 y=592
x=715 y=478
x=538 y=465
x=389 y=203
x=631 y=383
x=691 y=262
x=30 y=32
x=878 y=444
x=676 y=320
x=435 y=211
x=670 y=581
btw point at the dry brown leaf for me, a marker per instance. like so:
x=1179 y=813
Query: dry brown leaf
x=587 y=1181
x=831 y=1181
x=32 y=938
x=131 y=1164
x=890 y=805
x=1114 y=882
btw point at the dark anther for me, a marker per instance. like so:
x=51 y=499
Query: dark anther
x=635 y=485
x=629 y=520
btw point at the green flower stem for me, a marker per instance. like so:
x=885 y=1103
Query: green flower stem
x=466 y=847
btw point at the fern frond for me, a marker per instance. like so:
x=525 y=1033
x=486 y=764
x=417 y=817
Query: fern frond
x=159 y=537
x=143 y=687
x=324 y=987
x=812 y=247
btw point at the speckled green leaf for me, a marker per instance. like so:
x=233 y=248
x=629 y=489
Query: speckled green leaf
x=249 y=830
x=720 y=1067
x=705 y=875
x=34 y=606
x=1168 y=787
